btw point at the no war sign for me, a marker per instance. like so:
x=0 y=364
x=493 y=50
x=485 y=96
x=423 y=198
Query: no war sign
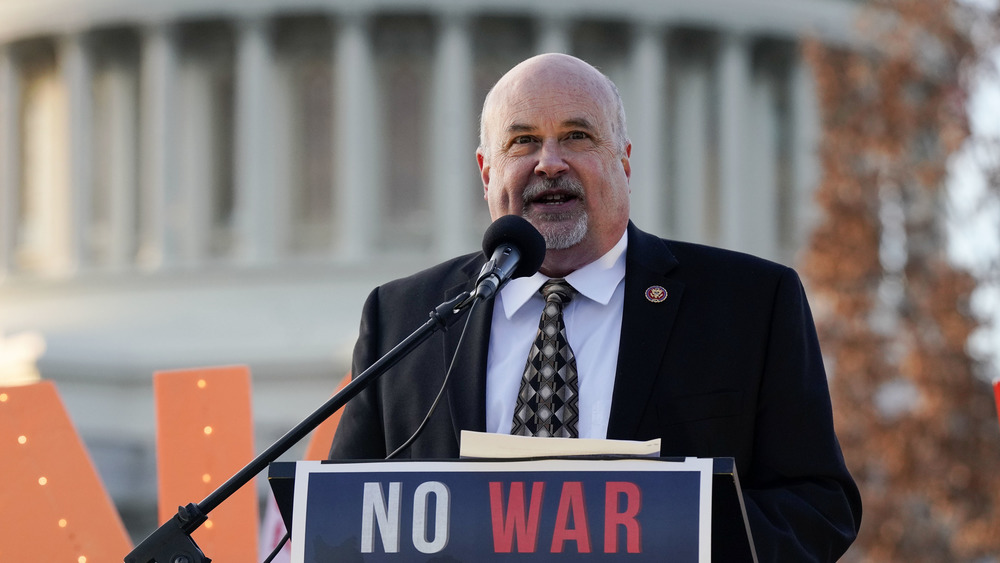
x=639 y=510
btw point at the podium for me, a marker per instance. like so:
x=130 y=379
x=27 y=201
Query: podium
x=554 y=509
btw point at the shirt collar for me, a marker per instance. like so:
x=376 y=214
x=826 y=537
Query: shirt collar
x=596 y=281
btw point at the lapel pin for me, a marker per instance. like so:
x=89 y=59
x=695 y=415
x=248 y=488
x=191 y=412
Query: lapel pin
x=656 y=294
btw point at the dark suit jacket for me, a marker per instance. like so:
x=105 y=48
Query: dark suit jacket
x=727 y=366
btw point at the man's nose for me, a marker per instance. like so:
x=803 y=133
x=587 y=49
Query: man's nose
x=551 y=160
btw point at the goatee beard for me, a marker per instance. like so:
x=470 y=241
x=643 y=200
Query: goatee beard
x=557 y=234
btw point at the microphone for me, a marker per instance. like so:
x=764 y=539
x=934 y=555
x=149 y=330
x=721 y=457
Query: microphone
x=516 y=249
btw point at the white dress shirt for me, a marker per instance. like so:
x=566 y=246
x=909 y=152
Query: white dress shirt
x=593 y=327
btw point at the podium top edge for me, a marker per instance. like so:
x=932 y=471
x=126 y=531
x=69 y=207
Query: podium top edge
x=286 y=469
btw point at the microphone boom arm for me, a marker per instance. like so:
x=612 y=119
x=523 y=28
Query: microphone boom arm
x=172 y=542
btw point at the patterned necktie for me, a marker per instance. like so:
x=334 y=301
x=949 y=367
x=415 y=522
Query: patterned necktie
x=547 y=401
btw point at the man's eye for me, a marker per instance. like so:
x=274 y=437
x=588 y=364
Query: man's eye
x=523 y=139
x=578 y=135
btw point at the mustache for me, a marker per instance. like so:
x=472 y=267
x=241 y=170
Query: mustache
x=563 y=184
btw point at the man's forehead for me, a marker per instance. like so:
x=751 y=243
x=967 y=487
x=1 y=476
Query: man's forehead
x=534 y=89
x=549 y=106
x=580 y=122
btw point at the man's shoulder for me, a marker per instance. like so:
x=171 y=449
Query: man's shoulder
x=705 y=254
x=445 y=274
x=687 y=255
x=728 y=278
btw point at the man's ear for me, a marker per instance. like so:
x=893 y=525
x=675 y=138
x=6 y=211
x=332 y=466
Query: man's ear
x=484 y=170
x=625 y=162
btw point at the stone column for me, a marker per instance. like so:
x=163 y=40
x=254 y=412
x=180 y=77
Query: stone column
x=733 y=81
x=453 y=171
x=694 y=215
x=555 y=35
x=157 y=176
x=646 y=126
x=806 y=133
x=759 y=188
x=254 y=181
x=122 y=157
x=190 y=210
x=10 y=158
x=76 y=72
x=357 y=167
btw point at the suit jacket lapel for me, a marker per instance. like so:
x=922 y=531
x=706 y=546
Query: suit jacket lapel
x=466 y=391
x=646 y=327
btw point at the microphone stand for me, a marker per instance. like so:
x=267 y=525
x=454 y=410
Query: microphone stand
x=172 y=542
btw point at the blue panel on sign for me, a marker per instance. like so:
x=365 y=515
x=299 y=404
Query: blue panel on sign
x=455 y=516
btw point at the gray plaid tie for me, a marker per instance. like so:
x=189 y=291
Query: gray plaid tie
x=547 y=401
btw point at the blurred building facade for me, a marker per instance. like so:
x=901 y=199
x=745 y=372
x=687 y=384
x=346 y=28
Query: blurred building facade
x=203 y=183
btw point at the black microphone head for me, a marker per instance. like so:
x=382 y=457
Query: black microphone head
x=518 y=232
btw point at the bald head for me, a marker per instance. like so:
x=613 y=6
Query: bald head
x=565 y=72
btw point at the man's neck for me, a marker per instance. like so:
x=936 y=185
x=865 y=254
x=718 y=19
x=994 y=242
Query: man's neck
x=560 y=263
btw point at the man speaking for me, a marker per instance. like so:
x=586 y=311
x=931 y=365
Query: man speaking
x=620 y=334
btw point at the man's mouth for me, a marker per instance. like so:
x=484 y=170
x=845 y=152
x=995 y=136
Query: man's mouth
x=553 y=198
x=553 y=193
